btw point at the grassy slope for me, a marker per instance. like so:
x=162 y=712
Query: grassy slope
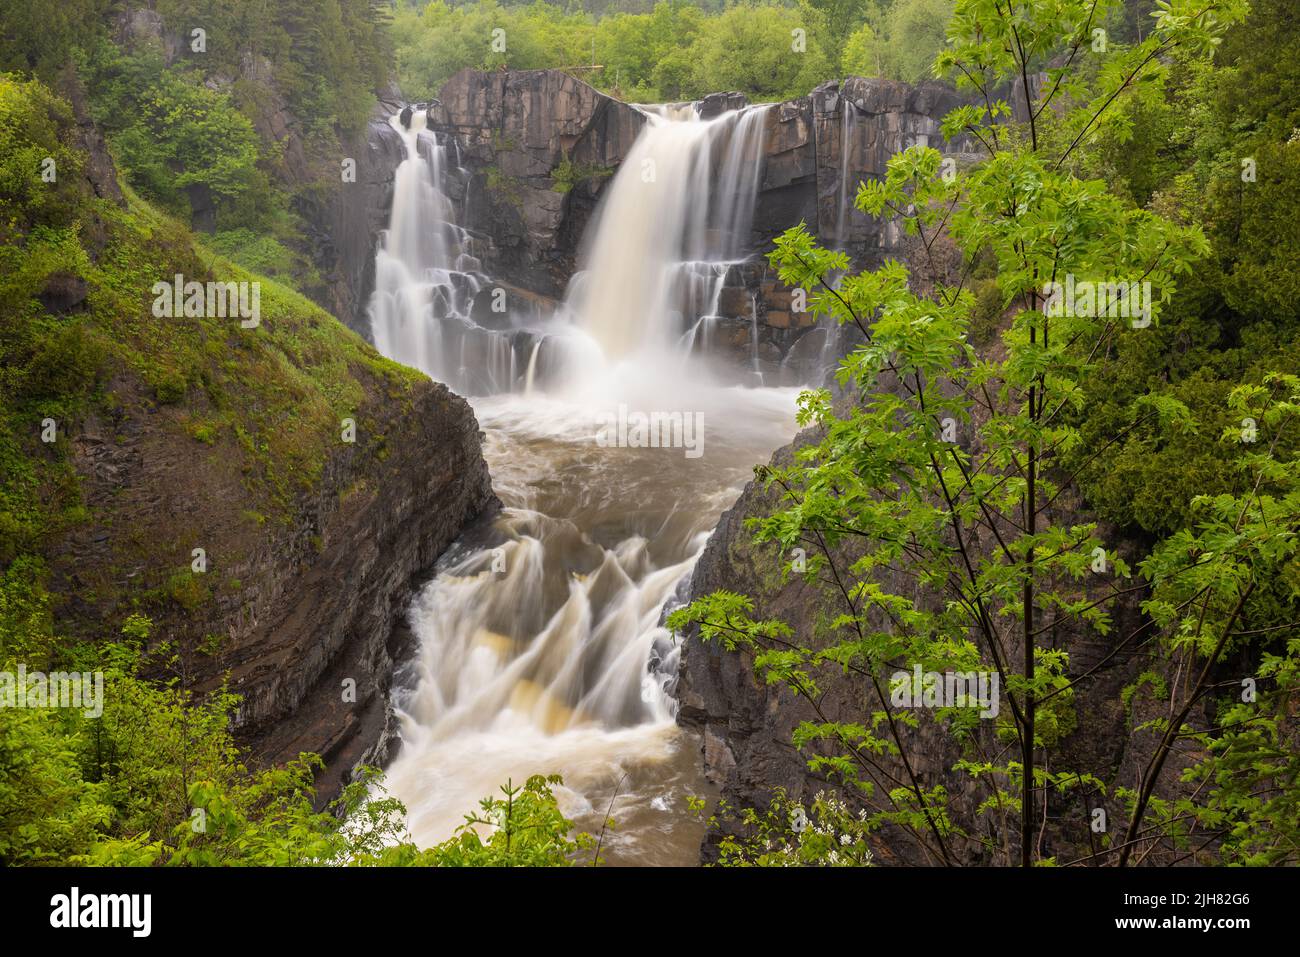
x=233 y=425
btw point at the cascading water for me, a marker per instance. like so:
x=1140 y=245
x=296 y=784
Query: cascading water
x=427 y=277
x=846 y=210
x=415 y=275
x=676 y=219
x=541 y=648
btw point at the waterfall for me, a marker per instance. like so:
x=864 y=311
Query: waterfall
x=427 y=277
x=673 y=225
x=541 y=647
x=848 y=191
x=675 y=218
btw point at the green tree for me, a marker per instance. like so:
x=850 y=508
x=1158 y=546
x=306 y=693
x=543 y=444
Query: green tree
x=864 y=52
x=899 y=43
x=438 y=41
x=187 y=143
x=40 y=37
x=839 y=18
x=765 y=51
x=676 y=50
x=645 y=57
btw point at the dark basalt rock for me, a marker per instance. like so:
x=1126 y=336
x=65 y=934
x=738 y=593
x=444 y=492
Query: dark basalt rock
x=309 y=636
x=340 y=615
x=715 y=104
x=516 y=129
x=348 y=223
x=100 y=171
x=63 y=292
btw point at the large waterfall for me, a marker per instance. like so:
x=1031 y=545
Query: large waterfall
x=674 y=221
x=541 y=648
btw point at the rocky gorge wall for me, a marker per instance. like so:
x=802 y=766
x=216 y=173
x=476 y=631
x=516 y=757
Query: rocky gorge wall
x=305 y=607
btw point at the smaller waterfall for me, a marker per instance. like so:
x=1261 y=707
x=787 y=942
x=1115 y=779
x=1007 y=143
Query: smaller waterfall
x=848 y=191
x=428 y=278
x=833 y=337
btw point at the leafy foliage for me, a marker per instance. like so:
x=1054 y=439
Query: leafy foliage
x=899 y=42
x=827 y=833
x=945 y=468
x=674 y=51
x=185 y=137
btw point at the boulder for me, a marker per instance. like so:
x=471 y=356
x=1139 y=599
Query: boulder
x=63 y=291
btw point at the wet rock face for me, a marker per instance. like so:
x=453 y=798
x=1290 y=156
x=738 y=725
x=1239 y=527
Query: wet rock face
x=715 y=104
x=821 y=146
x=333 y=621
x=787 y=194
x=349 y=224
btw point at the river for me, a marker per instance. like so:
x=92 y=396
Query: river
x=615 y=446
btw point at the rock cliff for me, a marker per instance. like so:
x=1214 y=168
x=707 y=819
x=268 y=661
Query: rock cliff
x=538 y=145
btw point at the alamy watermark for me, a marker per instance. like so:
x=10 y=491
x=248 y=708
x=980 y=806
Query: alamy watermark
x=74 y=909
x=1123 y=300
x=946 y=689
x=214 y=300
x=59 y=689
x=626 y=429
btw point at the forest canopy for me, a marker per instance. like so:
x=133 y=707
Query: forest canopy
x=673 y=49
